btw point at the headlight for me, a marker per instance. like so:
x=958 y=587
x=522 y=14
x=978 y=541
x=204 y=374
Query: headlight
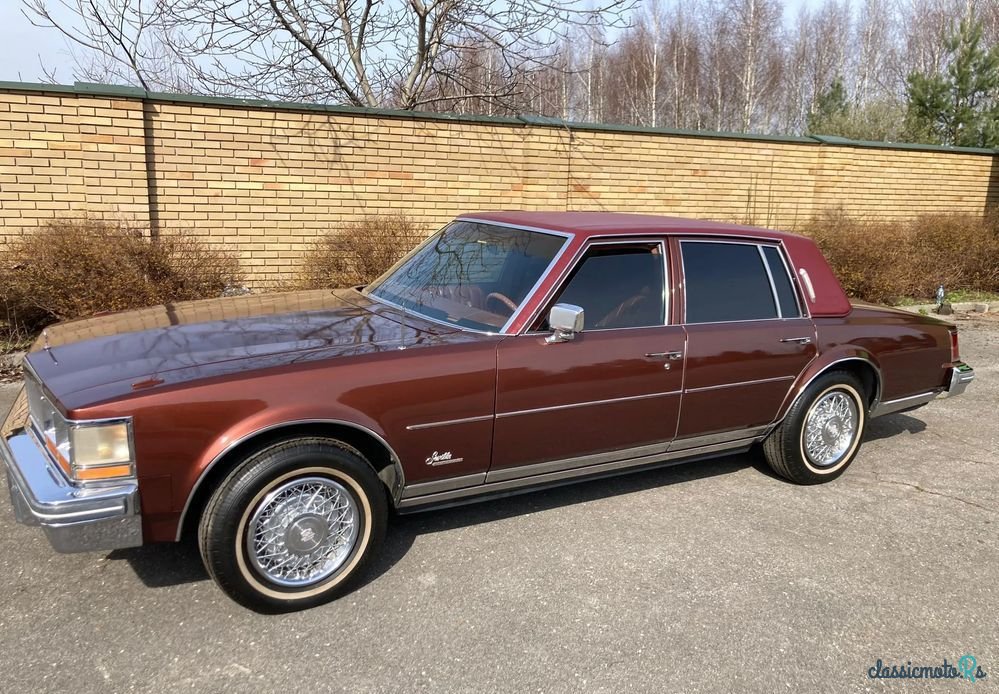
x=101 y=451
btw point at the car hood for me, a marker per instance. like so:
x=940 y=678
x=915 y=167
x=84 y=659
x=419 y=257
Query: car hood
x=86 y=361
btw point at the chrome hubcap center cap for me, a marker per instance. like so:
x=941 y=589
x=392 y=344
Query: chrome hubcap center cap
x=831 y=432
x=306 y=533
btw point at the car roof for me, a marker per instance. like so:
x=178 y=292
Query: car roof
x=586 y=224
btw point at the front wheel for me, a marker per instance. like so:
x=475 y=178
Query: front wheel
x=821 y=432
x=293 y=525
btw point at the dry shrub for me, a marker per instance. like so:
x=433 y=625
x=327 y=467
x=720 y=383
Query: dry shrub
x=357 y=253
x=73 y=268
x=884 y=261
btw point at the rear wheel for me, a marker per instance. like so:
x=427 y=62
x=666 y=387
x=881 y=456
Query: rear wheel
x=822 y=431
x=293 y=525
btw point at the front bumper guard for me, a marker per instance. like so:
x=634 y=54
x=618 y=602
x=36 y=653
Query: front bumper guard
x=75 y=519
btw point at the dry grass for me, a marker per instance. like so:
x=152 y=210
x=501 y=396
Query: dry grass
x=357 y=253
x=80 y=267
x=887 y=261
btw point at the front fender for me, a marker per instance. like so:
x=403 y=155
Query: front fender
x=268 y=420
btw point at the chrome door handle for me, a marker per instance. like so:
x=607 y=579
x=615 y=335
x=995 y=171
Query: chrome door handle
x=673 y=356
x=799 y=340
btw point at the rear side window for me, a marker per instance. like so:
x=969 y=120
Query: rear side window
x=725 y=282
x=782 y=283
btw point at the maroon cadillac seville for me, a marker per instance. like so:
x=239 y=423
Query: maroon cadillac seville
x=508 y=352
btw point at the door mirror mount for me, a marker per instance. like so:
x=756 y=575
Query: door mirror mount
x=565 y=320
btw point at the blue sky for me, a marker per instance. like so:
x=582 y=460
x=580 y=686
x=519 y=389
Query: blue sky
x=24 y=47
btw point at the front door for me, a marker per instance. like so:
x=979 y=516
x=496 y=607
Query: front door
x=613 y=392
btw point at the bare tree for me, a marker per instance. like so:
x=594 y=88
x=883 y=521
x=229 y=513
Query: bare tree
x=876 y=49
x=755 y=53
x=119 y=41
x=719 y=64
x=683 y=59
x=797 y=92
x=360 y=52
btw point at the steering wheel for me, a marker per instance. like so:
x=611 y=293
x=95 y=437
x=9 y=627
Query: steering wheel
x=501 y=298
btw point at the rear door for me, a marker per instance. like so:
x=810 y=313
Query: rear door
x=748 y=338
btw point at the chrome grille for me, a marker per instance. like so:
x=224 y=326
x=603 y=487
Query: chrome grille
x=40 y=409
x=45 y=419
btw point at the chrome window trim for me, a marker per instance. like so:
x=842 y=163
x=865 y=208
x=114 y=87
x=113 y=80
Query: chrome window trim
x=510 y=225
x=770 y=279
x=538 y=333
x=398 y=485
x=580 y=256
x=746 y=320
x=448 y=422
x=758 y=381
x=506 y=326
x=586 y=403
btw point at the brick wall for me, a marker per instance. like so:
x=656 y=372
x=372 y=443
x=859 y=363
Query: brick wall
x=266 y=179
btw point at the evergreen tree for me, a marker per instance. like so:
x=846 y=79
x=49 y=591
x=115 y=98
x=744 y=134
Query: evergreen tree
x=959 y=107
x=831 y=108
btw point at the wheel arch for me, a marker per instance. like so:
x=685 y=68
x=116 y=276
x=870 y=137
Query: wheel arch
x=373 y=447
x=859 y=362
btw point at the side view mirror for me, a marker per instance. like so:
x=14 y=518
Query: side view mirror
x=565 y=320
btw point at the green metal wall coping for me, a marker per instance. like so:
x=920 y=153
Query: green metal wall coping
x=118 y=91
x=846 y=142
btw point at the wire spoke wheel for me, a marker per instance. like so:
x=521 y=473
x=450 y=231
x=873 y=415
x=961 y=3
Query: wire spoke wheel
x=830 y=428
x=302 y=531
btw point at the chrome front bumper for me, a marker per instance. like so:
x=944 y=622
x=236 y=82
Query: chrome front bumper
x=74 y=519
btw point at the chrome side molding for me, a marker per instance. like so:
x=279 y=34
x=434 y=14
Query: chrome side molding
x=616 y=462
x=906 y=403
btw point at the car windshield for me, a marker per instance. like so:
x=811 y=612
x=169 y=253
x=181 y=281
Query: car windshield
x=470 y=274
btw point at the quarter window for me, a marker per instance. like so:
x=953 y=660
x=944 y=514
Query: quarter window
x=618 y=287
x=726 y=282
x=782 y=283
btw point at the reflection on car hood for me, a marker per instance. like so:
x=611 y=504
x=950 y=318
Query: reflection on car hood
x=207 y=338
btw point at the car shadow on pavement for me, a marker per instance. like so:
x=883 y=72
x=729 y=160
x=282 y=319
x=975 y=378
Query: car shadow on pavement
x=570 y=494
x=892 y=425
x=164 y=565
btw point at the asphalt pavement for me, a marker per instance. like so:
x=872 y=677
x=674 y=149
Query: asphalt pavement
x=713 y=577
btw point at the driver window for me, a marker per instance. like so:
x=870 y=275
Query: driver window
x=618 y=287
